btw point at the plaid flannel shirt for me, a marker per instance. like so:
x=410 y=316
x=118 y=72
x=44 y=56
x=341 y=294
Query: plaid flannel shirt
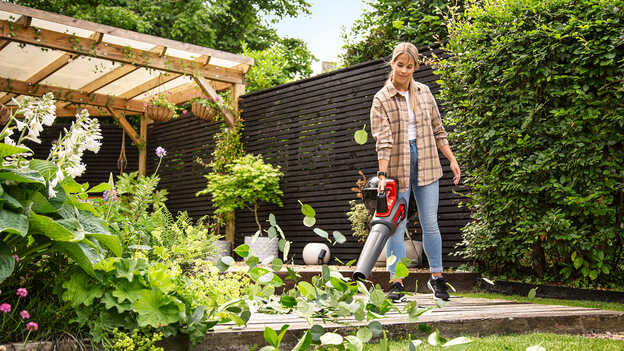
x=389 y=121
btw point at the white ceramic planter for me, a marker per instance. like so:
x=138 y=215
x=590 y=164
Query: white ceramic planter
x=262 y=247
x=313 y=252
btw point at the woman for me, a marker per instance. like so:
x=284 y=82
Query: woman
x=406 y=124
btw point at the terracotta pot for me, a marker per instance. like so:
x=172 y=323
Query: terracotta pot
x=203 y=112
x=158 y=113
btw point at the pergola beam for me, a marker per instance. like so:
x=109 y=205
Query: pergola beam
x=23 y=20
x=63 y=94
x=109 y=51
x=127 y=127
x=207 y=88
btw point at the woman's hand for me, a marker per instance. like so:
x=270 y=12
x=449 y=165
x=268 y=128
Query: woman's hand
x=456 y=172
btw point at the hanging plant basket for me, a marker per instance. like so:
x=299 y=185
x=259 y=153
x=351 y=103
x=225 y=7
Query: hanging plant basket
x=203 y=112
x=5 y=114
x=158 y=113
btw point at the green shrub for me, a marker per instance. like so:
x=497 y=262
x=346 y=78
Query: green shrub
x=534 y=95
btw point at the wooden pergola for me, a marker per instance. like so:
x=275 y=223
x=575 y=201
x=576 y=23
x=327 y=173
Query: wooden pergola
x=107 y=70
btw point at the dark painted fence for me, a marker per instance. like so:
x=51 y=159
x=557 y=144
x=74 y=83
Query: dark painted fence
x=307 y=128
x=99 y=165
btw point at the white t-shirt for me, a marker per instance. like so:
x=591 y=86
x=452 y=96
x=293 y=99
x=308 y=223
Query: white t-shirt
x=411 y=124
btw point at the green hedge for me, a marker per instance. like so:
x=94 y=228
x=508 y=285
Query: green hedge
x=535 y=93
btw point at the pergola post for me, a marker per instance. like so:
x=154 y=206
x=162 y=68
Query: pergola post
x=230 y=226
x=143 y=148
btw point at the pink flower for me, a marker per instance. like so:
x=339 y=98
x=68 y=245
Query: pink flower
x=32 y=326
x=5 y=307
x=22 y=292
x=16 y=257
x=24 y=314
x=185 y=111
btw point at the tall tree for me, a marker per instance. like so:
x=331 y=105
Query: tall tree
x=378 y=30
x=221 y=24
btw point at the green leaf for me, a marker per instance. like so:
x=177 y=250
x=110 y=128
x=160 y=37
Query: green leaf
x=390 y=260
x=331 y=339
x=413 y=344
x=325 y=273
x=277 y=264
x=100 y=188
x=242 y=250
x=307 y=210
x=309 y=221
x=288 y=301
x=270 y=336
x=354 y=343
x=40 y=204
x=8 y=150
x=10 y=202
x=80 y=289
x=46 y=169
x=338 y=237
x=364 y=334
x=578 y=262
x=272 y=232
x=286 y=250
x=109 y=240
x=304 y=343
x=128 y=291
x=70 y=185
x=21 y=176
x=12 y=222
x=377 y=297
x=68 y=230
x=7 y=262
x=272 y=219
x=156 y=309
x=317 y=331
x=375 y=327
x=266 y=278
x=282 y=332
x=532 y=293
x=397 y=24
x=350 y=263
x=320 y=232
x=160 y=277
x=488 y=280
x=401 y=270
x=306 y=289
x=434 y=338
x=361 y=136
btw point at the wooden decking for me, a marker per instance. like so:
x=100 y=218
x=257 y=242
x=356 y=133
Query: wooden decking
x=460 y=316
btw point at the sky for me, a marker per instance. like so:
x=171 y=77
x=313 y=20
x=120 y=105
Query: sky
x=321 y=29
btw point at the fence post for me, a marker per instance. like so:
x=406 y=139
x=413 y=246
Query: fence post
x=230 y=226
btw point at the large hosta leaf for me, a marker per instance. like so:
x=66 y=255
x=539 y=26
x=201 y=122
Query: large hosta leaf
x=82 y=253
x=7 y=262
x=68 y=230
x=156 y=309
x=8 y=150
x=45 y=168
x=41 y=204
x=13 y=222
x=9 y=201
x=96 y=228
x=23 y=176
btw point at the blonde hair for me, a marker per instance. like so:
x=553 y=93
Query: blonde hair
x=410 y=50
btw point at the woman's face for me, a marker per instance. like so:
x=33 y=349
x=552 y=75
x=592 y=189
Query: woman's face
x=403 y=67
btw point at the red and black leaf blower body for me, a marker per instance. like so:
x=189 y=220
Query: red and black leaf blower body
x=389 y=212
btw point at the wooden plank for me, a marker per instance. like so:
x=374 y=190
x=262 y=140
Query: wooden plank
x=64 y=94
x=127 y=127
x=143 y=149
x=114 y=52
x=23 y=20
x=122 y=33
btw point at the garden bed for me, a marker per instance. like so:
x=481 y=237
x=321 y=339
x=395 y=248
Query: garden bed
x=551 y=291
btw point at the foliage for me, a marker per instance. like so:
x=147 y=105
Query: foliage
x=137 y=341
x=280 y=63
x=186 y=21
x=359 y=217
x=42 y=209
x=160 y=99
x=206 y=284
x=246 y=182
x=388 y=22
x=228 y=146
x=534 y=93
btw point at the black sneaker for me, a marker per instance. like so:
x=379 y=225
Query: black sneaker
x=396 y=292
x=439 y=288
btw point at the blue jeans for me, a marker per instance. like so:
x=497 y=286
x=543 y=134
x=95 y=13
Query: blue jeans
x=427 y=199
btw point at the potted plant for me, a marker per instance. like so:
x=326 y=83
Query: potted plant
x=206 y=108
x=159 y=109
x=245 y=183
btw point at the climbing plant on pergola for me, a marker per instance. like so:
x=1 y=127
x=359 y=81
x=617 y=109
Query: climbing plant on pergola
x=107 y=70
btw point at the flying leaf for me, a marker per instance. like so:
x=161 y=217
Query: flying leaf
x=488 y=281
x=457 y=341
x=331 y=339
x=307 y=210
x=532 y=293
x=320 y=232
x=309 y=221
x=361 y=136
x=340 y=239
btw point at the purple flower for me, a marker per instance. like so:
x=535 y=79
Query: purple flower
x=160 y=152
x=5 y=307
x=22 y=292
x=111 y=194
x=24 y=314
x=32 y=326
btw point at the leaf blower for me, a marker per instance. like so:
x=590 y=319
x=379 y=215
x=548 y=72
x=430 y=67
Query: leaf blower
x=389 y=212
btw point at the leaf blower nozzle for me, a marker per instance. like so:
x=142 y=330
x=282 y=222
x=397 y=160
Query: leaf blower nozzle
x=389 y=212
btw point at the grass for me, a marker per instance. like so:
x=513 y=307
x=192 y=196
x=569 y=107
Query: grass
x=612 y=306
x=551 y=342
